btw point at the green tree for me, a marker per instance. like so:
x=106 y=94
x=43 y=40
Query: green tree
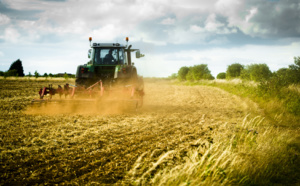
x=66 y=76
x=234 y=70
x=256 y=72
x=189 y=75
x=221 y=75
x=17 y=65
x=294 y=76
x=29 y=74
x=201 y=72
x=1 y=73
x=297 y=63
x=36 y=74
x=198 y=72
x=45 y=75
x=12 y=72
x=291 y=75
x=183 y=71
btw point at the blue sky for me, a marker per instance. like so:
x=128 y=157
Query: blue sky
x=52 y=35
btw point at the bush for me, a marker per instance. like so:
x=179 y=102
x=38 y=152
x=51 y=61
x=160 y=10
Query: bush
x=277 y=86
x=234 y=70
x=288 y=76
x=294 y=72
x=221 y=75
x=11 y=73
x=198 y=72
x=256 y=72
x=183 y=71
x=189 y=76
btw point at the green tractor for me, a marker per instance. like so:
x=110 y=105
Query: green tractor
x=109 y=74
x=110 y=63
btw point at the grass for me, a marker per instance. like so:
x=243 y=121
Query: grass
x=252 y=154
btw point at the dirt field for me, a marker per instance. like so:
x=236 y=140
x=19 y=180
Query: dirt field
x=55 y=146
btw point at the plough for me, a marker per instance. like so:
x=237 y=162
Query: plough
x=95 y=93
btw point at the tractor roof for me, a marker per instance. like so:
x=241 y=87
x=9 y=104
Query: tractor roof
x=105 y=45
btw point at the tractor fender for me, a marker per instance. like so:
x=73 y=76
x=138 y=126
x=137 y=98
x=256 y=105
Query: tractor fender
x=126 y=72
x=84 y=71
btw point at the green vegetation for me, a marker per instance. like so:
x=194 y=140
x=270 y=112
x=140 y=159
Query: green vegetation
x=194 y=73
x=221 y=75
x=256 y=72
x=290 y=75
x=66 y=76
x=234 y=70
x=36 y=74
x=183 y=71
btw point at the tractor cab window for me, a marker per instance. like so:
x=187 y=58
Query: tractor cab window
x=108 y=56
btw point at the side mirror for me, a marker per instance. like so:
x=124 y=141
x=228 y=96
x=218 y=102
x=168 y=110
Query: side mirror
x=89 y=53
x=138 y=54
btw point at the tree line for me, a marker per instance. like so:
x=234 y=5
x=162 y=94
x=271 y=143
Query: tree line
x=196 y=72
x=252 y=72
x=16 y=70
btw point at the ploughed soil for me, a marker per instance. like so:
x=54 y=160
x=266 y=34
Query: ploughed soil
x=105 y=143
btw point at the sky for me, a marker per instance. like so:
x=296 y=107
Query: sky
x=51 y=36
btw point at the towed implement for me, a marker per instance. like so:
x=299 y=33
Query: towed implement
x=108 y=75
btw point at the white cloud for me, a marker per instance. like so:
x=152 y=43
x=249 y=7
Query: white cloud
x=252 y=12
x=187 y=8
x=211 y=24
x=107 y=33
x=231 y=9
x=4 y=19
x=11 y=35
x=168 y=21
x=196 y=29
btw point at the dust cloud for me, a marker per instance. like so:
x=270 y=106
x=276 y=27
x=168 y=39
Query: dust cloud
x=83 y=107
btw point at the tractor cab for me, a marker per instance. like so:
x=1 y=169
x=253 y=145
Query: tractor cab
x=109 y=62
x=107 y=54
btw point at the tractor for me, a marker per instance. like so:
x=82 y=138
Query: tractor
x=109 y=73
